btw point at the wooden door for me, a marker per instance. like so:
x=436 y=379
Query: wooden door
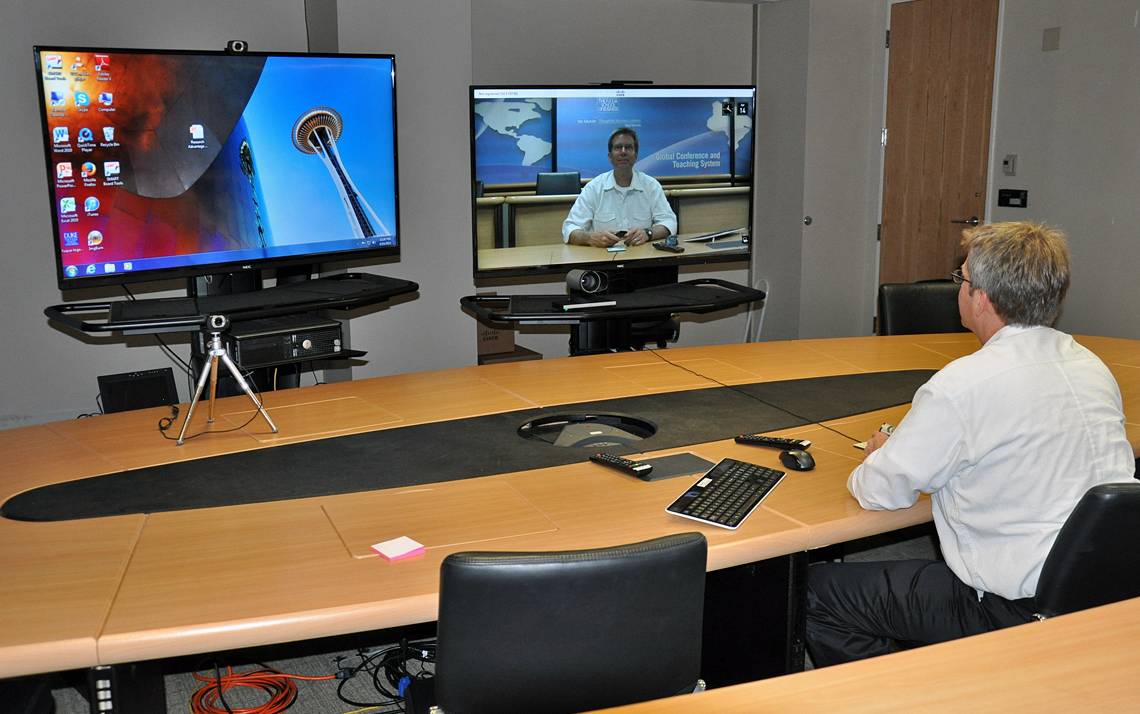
x=939 y=94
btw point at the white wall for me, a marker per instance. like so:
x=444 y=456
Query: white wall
x=1071 y=116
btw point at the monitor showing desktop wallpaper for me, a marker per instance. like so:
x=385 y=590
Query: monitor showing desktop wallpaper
x=175 y=163
x=697 y=142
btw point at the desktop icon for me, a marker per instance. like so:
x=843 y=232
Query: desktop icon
x=71 y=271
x=59 y=134
x=63 y=170
x=85 y=135
x=77 y=64
x=71 y=239
x=128 y=265
x=108 y=267
x=90 y=270
x=82 y=99
x=67 y=204
x=58 y=98
x=94 y=238
x=106 y=98
x=102 y=62
x=111 y=169
x=87 y=169
x=197 y=132
x=108 y=134
x=53 y=61
x=91 y=204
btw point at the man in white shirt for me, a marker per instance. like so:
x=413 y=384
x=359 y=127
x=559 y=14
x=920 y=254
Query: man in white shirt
x=1005 y=440
x=620 y=205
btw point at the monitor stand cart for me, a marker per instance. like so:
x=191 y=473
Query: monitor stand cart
x=216 y=325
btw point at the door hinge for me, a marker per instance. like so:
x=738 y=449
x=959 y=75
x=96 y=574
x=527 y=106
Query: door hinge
x=888 y=42
x=883 y=136
x=879 y=233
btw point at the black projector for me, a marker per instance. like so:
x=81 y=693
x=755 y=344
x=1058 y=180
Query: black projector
x=282 y=340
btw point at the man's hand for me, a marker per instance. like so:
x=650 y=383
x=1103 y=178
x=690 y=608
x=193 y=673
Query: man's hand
x=598 y=239
x=877 y=440
x=637 y=236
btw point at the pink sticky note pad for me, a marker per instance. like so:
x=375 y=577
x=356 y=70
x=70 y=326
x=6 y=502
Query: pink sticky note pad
x=398 y=548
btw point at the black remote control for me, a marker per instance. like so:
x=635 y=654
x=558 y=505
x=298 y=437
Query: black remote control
x=773 y=442
x=639 y=469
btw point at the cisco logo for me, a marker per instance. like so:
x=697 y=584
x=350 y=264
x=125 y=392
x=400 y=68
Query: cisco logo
x=607 y=104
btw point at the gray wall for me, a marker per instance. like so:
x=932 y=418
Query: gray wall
x=602 y=40
x=48 y=374
x=1069 y=114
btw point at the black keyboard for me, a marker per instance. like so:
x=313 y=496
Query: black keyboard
x=727 y=493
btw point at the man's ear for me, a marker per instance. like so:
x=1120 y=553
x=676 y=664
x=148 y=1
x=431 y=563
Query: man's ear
x=980 y=303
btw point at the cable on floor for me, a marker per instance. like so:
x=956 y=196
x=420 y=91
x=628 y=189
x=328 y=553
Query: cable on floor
x=279 y=687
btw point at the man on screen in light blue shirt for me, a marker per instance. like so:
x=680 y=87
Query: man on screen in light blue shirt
x=622 y=205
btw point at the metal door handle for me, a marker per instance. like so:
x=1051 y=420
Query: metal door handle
x=971 y=221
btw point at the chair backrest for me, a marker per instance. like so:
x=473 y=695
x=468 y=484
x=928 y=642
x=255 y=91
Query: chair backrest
x=1095 y=559
x=916 y=308
x=570 y=631
x=558 y=183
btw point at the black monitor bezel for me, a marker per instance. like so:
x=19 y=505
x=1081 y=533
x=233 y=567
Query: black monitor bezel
x=241 y=266
x=607 y=263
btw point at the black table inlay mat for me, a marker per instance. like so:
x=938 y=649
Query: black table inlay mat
x=463 y=448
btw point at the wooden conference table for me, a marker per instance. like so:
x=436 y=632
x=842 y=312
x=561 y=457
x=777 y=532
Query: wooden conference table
x=141 y=587
x=1083 y=662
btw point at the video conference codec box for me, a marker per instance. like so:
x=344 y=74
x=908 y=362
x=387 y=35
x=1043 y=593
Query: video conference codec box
x=281 y=340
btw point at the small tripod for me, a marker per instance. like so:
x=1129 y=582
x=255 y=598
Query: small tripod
x=215 y=325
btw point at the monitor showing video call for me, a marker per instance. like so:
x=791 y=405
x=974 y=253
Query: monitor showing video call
x=696 y=142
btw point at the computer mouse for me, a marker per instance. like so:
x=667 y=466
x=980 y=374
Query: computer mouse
x=797 y=460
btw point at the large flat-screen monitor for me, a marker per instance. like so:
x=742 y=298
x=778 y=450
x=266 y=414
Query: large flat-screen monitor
x=179 y=163
x=534 y=149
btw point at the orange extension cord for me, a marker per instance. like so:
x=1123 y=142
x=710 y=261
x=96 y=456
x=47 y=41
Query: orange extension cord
x=280 y=688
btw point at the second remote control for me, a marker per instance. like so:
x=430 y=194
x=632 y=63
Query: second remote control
x=772 y=442
x=639 y=469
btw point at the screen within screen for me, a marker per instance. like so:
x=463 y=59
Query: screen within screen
x=165 y=164
x=697 y=142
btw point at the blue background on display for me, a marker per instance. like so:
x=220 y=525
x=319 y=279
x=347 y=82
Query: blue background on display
x=302 y=203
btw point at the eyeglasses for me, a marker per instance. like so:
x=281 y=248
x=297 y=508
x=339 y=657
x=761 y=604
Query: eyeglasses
x=958 y=278
x=624 y=147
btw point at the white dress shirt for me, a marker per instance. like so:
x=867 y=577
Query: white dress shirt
x=1006 y=441
x=605 y=206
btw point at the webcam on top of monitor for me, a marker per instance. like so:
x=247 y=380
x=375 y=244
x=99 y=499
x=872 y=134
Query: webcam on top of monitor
x=237 y=47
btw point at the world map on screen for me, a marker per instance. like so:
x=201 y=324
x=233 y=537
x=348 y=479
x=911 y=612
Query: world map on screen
x=515 y=134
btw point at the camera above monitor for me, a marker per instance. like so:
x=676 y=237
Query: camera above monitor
x=179 y=163
x=535 y=150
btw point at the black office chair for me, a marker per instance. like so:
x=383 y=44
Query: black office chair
x=1094 y=560
x=558 y=183
x=570 y=631
x=916 y=308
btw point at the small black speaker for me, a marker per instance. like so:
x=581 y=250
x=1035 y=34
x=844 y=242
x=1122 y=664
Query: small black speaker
x=137 y=390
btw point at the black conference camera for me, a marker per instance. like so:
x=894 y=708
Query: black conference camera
x=588 y=282
x=237 y=47
x=217 y=323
